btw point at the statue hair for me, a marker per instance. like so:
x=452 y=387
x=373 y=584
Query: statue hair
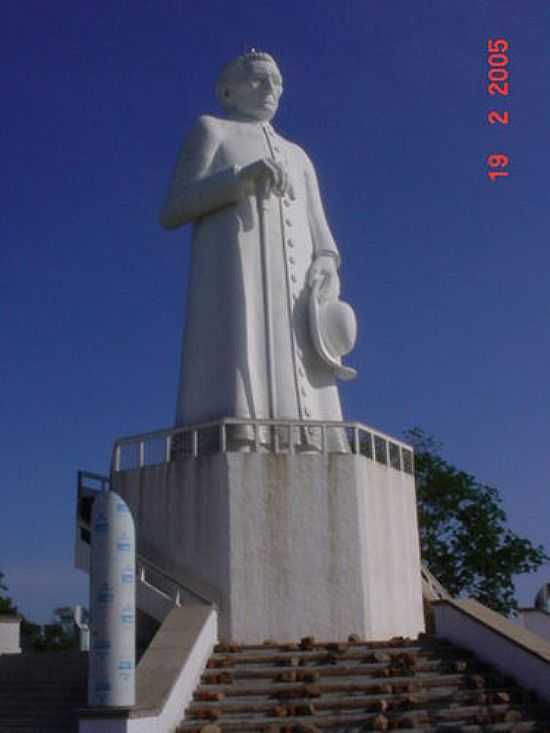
x=235 y=70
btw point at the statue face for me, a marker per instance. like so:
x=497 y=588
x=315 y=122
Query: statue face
x=256 y=95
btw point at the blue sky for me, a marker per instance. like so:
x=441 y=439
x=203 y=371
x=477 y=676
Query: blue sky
x=447 y=271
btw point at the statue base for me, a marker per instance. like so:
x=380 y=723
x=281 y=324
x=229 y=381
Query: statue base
x=287 y=545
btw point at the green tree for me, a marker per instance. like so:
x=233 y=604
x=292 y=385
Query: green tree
x=50 y=637
x=59 y=635
x=6 y=604
x=463 y=534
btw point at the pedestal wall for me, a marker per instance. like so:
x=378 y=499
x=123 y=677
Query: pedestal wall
x=286 y=545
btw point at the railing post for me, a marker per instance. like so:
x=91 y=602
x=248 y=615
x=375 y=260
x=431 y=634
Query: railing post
x=195 y=443
x=141 y=453
x=223 y=438
x=399 y=458
x=382 y=453
x=323 y=439
x=168 y=448
x=117 y=458
x=356 y=445
x=291 y=439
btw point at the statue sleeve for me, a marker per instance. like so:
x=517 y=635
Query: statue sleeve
x=195 y=190
x=323 y=241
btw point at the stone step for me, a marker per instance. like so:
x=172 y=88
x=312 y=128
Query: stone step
x=381 y=703
x=309 y=642
x=427 y=714
x=419 y=720
x=359 y=651
x=31 y=690
x=342 y=668
x=40 y=707
x=35 y=723
x=393 y=685
x=40 y=693
x=59 y=727
x=349 y=687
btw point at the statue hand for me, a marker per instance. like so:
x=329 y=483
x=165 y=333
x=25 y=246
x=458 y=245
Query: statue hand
x=266 y=175
x=325 y=270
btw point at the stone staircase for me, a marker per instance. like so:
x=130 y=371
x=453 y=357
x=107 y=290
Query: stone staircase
x=424 y=685
x=41 y=693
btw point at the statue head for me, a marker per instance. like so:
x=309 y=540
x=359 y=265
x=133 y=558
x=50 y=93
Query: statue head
x=249 y=87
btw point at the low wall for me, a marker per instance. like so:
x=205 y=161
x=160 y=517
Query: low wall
x=513 y=650
x=166 y=676
x=536 y=621
x=10 y=634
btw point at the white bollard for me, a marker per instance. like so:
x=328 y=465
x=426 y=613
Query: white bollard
x=111 y=673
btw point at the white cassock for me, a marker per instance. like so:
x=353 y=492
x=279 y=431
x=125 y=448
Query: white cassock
x=224 y=368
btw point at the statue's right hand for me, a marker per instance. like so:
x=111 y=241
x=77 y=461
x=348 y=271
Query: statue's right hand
x=266 y=175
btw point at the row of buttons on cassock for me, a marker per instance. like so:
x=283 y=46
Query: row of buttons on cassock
x=275 y=152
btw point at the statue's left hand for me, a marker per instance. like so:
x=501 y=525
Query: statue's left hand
x=324 y=269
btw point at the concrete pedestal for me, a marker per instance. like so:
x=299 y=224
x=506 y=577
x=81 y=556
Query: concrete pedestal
x=286 y=545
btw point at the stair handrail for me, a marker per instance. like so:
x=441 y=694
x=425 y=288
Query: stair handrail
x=142 y=562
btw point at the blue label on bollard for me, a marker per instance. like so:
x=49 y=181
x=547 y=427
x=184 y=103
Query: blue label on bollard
x=100 y=645
x=105 y=597
x=102 y=686
x=122 y=508
x=125 y=669
x=101 y=525
x=127 y=615
x=128 y=575
x=123 y=543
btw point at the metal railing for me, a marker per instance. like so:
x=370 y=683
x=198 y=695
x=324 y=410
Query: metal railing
x=261 y=436
x=150 y=574
x=92 y=481
x=432 y=589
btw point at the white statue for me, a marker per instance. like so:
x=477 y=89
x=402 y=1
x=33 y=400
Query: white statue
x=265 y=329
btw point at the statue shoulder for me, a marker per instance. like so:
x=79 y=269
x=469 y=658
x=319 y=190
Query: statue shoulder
x=208 y=124
x=209 y=121
x=210 y=129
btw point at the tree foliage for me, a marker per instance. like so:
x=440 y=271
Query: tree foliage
x=59 y=635
x=6 y=604
x=50 y=637
x=463 y=534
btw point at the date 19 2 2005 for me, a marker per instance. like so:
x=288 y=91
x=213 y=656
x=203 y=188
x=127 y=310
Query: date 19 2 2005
x=498 y=86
